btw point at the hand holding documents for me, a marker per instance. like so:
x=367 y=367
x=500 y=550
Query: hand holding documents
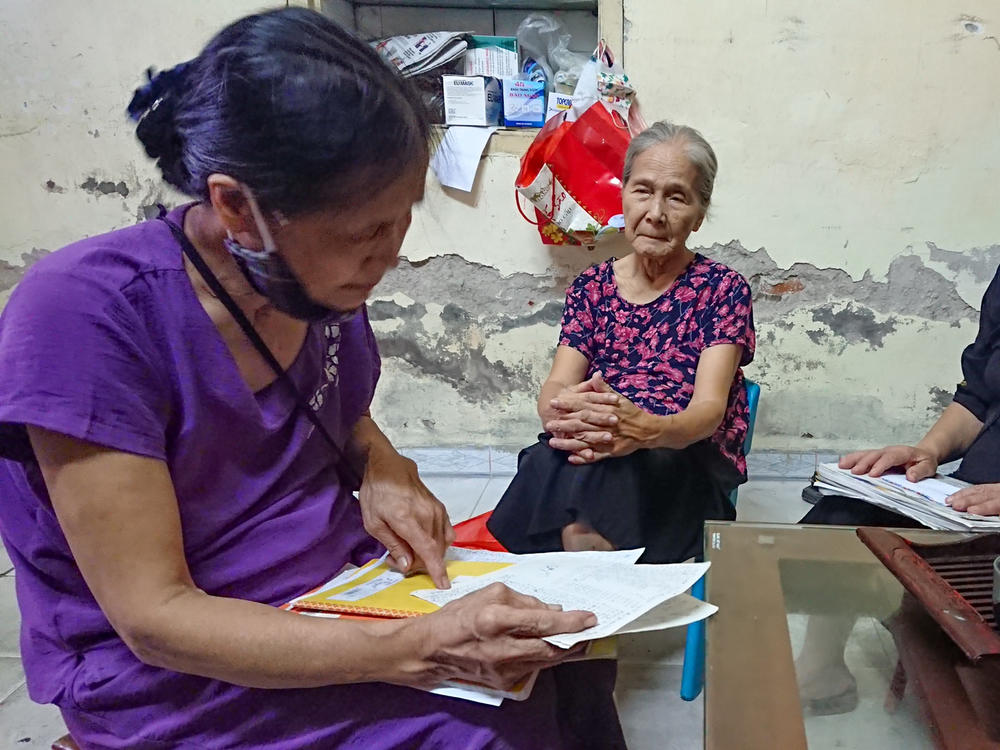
x=610 y=585
x=625 y=597
x=925 y=501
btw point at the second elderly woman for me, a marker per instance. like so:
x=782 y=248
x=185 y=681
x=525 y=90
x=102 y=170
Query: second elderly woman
x=645 y=410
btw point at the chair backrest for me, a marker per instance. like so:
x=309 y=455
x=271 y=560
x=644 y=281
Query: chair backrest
x=753 y=396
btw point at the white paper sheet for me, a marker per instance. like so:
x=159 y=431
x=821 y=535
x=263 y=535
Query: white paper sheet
x=617 y=593
x=457 y=158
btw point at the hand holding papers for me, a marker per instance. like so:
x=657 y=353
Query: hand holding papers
x=616 y=590
x=925 y=501
x=625 y=597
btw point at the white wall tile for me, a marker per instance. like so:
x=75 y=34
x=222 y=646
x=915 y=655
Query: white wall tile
x=459 y=494
x=503 y=462
x=450 y=461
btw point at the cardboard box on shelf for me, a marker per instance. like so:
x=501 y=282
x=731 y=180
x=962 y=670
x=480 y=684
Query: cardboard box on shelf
x=472 y=100
x=558 y=103
x=523 y=103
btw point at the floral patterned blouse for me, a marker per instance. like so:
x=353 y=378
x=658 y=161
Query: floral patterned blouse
x=649 y=353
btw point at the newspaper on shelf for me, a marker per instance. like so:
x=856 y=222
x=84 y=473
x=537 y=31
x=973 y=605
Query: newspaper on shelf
x=414 y=54
x=925 y=501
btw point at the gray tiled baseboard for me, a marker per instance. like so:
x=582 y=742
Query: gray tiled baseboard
x=502 y=461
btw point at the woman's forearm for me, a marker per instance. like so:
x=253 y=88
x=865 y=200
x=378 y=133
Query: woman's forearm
x=255 y=645
x=371 y=439
x=698 y=421
x=952 y=434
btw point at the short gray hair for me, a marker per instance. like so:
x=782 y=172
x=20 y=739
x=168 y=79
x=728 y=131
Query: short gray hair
x=698 y=151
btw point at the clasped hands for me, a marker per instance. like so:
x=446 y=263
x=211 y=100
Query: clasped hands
x=591 y=421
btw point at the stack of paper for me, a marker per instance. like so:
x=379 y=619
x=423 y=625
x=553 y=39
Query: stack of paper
x=625 y=597
x=417 y=53
x=925 y=501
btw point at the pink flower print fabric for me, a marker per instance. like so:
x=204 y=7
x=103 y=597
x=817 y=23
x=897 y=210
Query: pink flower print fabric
x=649 y=353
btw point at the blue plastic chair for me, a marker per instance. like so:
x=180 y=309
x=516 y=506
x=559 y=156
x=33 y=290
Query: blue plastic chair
x=693 y=675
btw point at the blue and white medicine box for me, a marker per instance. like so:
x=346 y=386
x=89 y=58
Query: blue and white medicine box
x=471 y=100
x=523 y=103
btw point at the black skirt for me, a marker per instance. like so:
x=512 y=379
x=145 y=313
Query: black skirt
x=658 y=499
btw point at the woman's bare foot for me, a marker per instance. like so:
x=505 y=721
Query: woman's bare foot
x=581 y=537
x=830 y=691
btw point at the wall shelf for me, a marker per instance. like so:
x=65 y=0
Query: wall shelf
x=590 y=5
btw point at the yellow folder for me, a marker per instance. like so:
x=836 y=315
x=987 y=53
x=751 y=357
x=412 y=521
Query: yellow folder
x=377 y=590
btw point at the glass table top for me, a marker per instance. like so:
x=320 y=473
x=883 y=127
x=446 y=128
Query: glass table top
x=800 y=654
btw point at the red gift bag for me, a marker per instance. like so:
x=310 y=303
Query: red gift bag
x=571 y=173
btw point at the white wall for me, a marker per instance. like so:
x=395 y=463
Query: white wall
x=859 y=170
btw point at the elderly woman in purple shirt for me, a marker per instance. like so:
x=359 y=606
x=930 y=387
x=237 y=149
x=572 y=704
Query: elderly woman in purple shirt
x=184 y=418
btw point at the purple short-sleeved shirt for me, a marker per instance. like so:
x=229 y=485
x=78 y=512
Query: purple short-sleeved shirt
x=106 y=341
x=649 y=353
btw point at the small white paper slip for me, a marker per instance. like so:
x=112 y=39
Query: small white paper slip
x=487 y=695
x=682 y=610
x=372 y=586
x=931 y=489
x=457 y=158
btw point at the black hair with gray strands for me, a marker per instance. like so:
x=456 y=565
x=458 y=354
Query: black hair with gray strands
x=290 y=104
x=698 y=151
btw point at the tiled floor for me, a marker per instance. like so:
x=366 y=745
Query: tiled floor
x=654 y=716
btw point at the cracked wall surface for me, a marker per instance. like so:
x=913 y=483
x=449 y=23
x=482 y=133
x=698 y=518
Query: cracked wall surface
x=856 y=192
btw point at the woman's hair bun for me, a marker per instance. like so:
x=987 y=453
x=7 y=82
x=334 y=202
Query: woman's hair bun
x=152 y=107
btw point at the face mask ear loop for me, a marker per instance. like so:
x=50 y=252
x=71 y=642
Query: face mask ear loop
x=258 y=218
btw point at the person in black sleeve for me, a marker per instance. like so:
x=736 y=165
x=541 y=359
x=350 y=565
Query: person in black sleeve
x=968 y=429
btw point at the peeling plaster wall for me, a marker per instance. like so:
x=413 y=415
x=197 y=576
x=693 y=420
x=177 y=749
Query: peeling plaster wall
x=857 y=191
x=71 y=164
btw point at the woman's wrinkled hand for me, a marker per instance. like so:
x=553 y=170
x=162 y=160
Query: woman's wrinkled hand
x=399 y=511
x=916 y=462
x=583 y=412
x=492 y=637
x=981 y=499
x=596 y=422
